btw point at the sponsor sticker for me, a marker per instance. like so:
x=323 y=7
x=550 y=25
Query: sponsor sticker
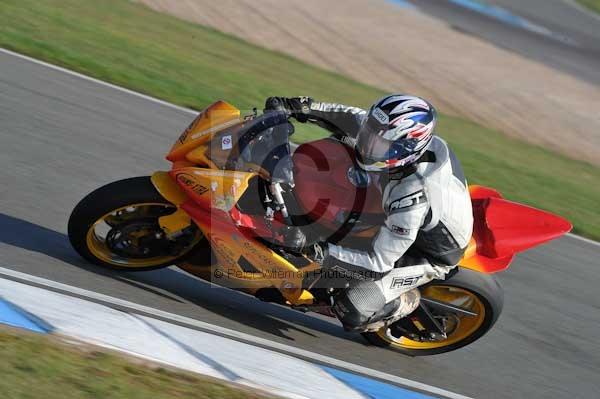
x=381 y=116
x=400 y=230
x=190 y=182
x=226 y=142
x=184 y=135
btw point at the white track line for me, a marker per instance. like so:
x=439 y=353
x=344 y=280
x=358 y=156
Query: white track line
x=99 y=82
x=582 y=9
x=232 y=334
x=156 y=100
x=586 y=240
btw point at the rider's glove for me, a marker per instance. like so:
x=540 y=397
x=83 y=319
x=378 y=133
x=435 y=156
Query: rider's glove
x=293 y=238
x=298 y=107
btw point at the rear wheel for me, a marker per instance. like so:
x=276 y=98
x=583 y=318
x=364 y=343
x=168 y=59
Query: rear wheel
x=116 y=226
x=478 y=294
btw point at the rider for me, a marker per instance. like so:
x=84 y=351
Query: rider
x=429 y=217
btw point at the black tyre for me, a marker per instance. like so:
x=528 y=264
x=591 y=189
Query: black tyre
x=116 y=226
x=478 y=292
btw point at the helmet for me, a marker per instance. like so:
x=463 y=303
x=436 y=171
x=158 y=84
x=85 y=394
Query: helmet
x=396 y=133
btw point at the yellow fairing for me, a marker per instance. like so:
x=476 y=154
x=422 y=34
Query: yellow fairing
x=261 y=268
x=223 y=188
x=214 y=118
x=165 y=185
x=243 y=263
x=198 y=156
x=213 y=188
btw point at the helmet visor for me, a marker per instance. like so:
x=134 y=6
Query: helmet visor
x=372 y=148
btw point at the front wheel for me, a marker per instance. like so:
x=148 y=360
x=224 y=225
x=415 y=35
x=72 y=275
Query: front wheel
x=479 y=294
x=116 y=226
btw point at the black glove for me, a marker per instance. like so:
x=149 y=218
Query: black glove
x=298 y=107
x=293 y=238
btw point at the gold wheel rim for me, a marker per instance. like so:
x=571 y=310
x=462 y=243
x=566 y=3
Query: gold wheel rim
x=462 y=328
x=97 y=245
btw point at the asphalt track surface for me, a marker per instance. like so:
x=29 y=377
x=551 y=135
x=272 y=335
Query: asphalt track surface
x=573 y=47
x=63 y=136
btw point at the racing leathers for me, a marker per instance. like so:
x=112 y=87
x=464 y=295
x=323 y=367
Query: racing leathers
x=428 y=224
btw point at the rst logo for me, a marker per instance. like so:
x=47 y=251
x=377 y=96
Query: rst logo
x=400 y=282
x=408 y=201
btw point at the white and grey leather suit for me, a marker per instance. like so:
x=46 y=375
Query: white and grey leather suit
x=428 y=213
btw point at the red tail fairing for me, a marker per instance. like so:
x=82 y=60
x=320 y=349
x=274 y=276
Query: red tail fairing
x=503 y=228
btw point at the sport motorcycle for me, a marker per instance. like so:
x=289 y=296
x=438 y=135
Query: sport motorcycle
x=236 y=193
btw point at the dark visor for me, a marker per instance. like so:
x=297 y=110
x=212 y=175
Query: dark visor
x=372 y=147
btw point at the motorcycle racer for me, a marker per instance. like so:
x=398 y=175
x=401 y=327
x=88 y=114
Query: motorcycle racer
x=428 y=210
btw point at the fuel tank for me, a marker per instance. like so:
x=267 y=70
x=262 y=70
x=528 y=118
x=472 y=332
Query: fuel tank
x=332 y=190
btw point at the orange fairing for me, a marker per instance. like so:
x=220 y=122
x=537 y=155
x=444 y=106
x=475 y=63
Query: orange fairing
x=502 y=228
x=213 y=189
x=214 y=118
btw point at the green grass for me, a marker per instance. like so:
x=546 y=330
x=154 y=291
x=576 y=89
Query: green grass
x=36 y=366
x=130 y=45
x=593 y=5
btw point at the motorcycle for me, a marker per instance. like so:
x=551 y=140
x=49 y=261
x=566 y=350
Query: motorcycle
x=235 y=194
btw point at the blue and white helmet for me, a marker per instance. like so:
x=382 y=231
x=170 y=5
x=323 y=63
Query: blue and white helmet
x=396 y=133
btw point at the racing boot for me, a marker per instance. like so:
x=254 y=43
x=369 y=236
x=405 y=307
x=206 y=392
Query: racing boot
x=400 y=307
x=362 y=307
